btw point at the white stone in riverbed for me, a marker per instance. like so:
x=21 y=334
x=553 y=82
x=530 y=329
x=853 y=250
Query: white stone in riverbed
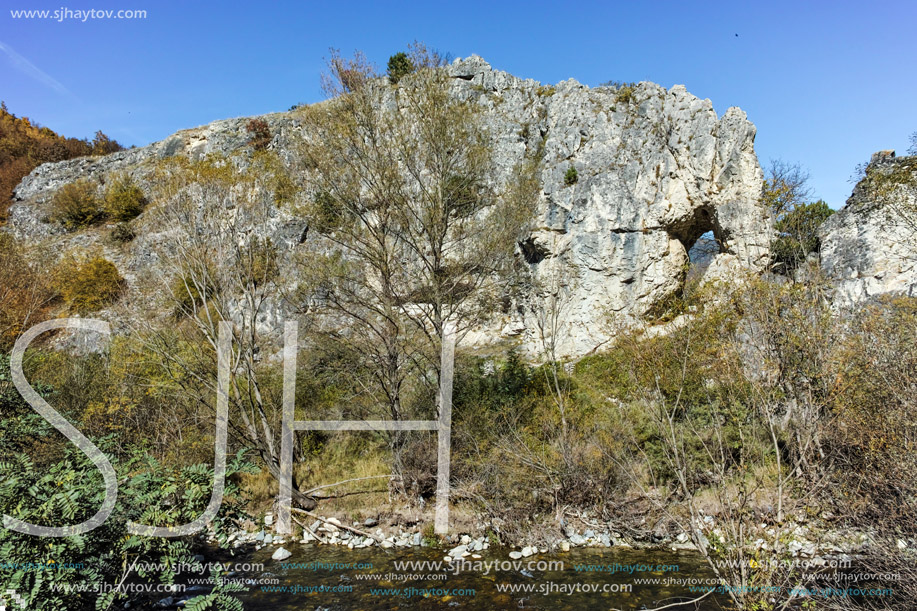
x=576 y=539
x=465 y=540
x=280 y=554
x=529 y=551
x=268 y=519
x=515 y=555
x=459 y=552
x=565 y=546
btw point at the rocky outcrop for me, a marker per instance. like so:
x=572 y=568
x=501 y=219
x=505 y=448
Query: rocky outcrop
x=869 y=247
x=655 y=169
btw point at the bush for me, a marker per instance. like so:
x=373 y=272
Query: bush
x=571 y=176
x=76 y=205
x=67 y=489
x=399 y=65
x=124 y=200
x=122 y=233
x=191 y=292
x=260 y=134
x=625 y=94
x=24 y=293
x=90 y=284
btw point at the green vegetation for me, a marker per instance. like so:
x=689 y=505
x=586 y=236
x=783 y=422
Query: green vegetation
x=624 y=93
x=76 y=205
x=752 y=404
x=399 y=66
x=796 y=219
x=798 y=233
x=122 y=233
x=66 y=488
x=571 y=176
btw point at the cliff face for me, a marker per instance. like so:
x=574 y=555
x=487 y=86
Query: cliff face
x=655 y=170
x=869 y=247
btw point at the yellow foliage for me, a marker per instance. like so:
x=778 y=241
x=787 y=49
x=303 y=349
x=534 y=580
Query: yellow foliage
x=89 y=284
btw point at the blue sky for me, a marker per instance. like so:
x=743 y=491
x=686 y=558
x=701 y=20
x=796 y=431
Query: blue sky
x=826 y=83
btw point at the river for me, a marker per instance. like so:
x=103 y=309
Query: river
x=329 y=578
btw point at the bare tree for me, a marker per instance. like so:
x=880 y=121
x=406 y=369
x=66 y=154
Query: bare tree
x=404 y=190
x=217 y=264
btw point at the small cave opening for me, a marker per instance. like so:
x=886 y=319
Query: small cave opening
x=702 y=241
x=532 y=252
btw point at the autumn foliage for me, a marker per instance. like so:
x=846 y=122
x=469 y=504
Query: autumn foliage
x=25 y=295
x=25 y=145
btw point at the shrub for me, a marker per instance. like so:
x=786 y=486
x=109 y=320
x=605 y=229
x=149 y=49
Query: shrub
x=76 y=205
x=571 y=176
x=67 y=489
x=24 y=292
x=399 y=65
x=546 y=91
x=260 y=134
x=625 y=94
x=122 y=233
x=90 y=284
x=124 y=200
x=191 y=292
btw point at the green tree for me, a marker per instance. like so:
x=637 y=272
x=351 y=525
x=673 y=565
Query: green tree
x=399 y=65
x=796 y=219
x=797 y=233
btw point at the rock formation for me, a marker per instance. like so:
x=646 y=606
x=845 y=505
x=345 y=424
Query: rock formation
x=869 y=247
x=655 y=169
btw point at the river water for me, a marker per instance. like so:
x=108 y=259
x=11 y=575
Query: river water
x=329 y=578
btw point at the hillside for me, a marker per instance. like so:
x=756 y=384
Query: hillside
x=654 y=169
x=24 y=145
